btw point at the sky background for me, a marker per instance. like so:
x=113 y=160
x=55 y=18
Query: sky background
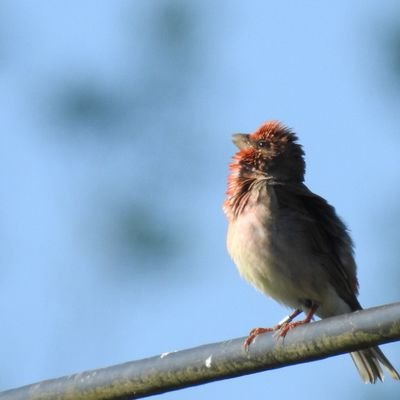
x=116 y=135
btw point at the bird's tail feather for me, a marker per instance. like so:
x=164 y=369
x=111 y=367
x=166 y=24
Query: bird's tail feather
x=368 y=363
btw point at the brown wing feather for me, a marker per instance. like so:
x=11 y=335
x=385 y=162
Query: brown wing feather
x=328 y=237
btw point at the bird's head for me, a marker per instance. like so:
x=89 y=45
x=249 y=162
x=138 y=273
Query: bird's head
x=270 y=152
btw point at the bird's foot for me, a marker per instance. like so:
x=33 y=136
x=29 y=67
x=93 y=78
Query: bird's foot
x=282 y=328
x=254 y=333
x=286 y=326
x=258 y=331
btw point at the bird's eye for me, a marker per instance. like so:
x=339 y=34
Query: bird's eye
x=261 y=144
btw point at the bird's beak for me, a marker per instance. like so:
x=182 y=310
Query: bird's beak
x=241 y=140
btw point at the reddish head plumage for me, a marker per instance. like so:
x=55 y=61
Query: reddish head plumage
x=271 y=153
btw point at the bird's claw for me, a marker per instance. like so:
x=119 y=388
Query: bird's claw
x=280 y=330
x=253 y=334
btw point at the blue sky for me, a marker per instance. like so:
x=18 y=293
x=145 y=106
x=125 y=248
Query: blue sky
x=117 y=118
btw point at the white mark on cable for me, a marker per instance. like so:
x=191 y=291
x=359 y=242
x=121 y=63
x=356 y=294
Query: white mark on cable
x=208 y=362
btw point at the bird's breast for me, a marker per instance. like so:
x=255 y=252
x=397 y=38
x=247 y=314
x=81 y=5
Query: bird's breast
x=267 y=254
x=250 y=243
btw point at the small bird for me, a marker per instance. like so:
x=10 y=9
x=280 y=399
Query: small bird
x=289 y=242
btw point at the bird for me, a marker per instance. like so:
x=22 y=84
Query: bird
x=288 y=242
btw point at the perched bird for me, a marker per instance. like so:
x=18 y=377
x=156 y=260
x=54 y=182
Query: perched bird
x=288 y=242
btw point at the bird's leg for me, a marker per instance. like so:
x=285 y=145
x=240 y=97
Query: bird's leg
x=286 y=327
x=258 y=331
x=288 y=319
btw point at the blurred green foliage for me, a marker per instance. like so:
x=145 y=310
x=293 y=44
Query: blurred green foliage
x=127 y=112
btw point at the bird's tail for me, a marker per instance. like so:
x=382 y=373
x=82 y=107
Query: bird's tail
x=368 y=363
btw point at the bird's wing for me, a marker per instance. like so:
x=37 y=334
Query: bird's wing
x=328 y=237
